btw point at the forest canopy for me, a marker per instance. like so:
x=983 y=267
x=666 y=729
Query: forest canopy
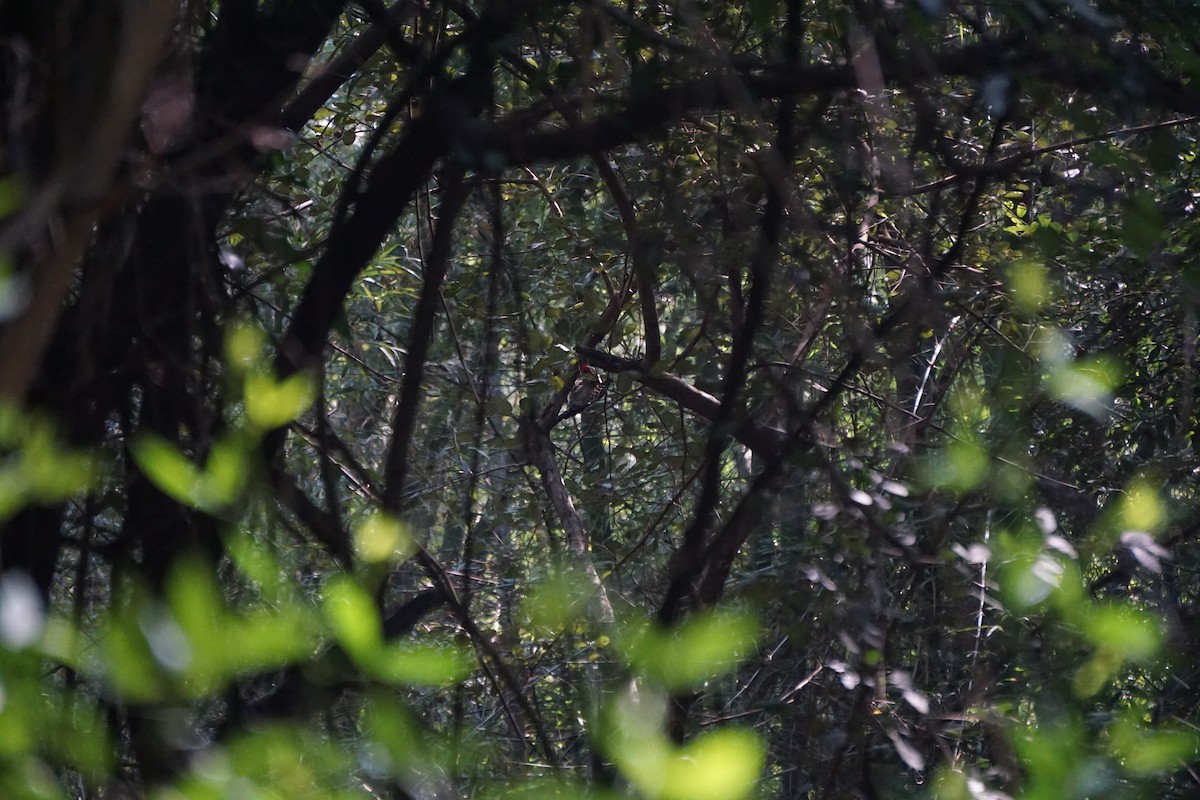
x=684 y=400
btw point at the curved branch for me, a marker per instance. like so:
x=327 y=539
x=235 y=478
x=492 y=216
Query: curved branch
x=762 y=439
x=456 y=191
x=540 y=452
x=342 y=67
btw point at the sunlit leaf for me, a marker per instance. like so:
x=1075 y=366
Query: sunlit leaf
x=130 y=667
x=1086 y=384
x=1141 y=508
x=268 y=640
x=244 y=346
x=1143 y=749
x=169 y=470
x=225 y=472
x=420 y=665
x=1030 y=285
x=706 y=646
x=723 y=764
x=381 y=537
x=352 y=615
x=1125 y=631
x=272 y=404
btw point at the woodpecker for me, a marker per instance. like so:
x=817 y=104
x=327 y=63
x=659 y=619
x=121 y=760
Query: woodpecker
x=587 y=389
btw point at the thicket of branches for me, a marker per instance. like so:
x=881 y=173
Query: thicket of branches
x=890 y=488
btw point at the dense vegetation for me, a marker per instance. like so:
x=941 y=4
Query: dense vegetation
x=882 y=481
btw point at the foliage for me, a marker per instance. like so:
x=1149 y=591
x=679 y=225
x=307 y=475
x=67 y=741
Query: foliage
x=890 y=491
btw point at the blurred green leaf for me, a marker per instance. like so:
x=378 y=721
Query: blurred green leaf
x=352 y=616
x=226 y=471
x=723 y=764
x=129 y=666
x=1141 y=508
x=268 y=640
x=382 y=538
x=52 y=472
x=272 y=403
x=245 y=344
x=557 y=601
x=962 y=465
x=1029 y=282
x=706 y=646
x=419 y=665
x=1085 y=384
x=1125 y=631
x=1147 y=750
x=211 y=489
x=198 y=609
x=163 y=464
x=12 y=195
x=255 y=561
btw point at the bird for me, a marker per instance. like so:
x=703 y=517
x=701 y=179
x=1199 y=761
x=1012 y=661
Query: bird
x=587 y=389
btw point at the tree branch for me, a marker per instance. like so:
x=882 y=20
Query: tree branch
x=540 y=452
x=404 y=420
x=344 y=65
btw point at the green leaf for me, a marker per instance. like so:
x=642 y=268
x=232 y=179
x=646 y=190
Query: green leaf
x=352 y=616
x=381 y=538
x=1125 y=631
x=197 y=607
x=1030 y=285
x=225 y=472
x=1141 y=508
x=268 y=640
x=272 y=404
x=961 y=466
x=1146 y=750
x=420 y=665
x=12 y=195
x=210 y=489
x=53 y=473
x=1085 y=384
x=706 y=646
x=168 y=469
x=719 y=765
x=75 y=732
x=244 y=346
x=130 y=668
x=723 y=764
x=256 y=562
